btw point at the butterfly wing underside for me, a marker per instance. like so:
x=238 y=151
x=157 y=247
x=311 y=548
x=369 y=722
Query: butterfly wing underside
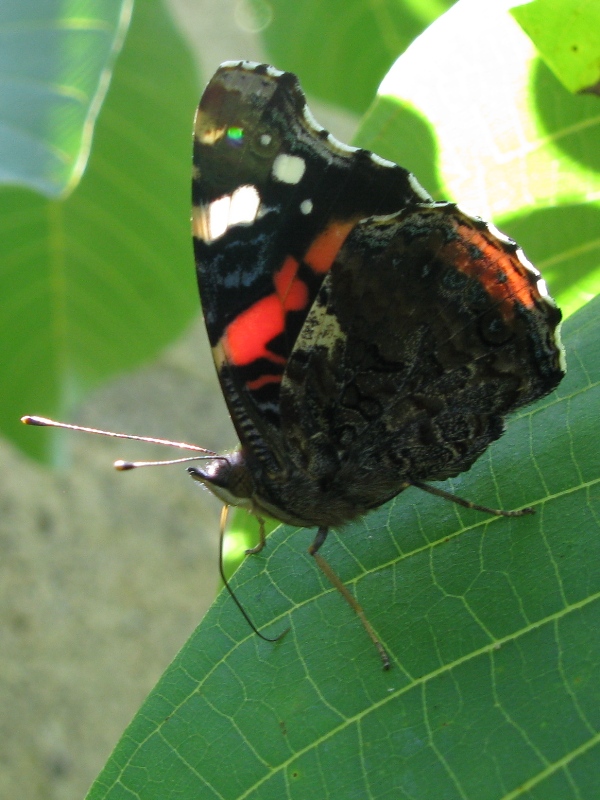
x=427 y=331
x=274 y=198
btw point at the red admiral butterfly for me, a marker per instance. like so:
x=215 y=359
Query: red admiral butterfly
x=366 y=338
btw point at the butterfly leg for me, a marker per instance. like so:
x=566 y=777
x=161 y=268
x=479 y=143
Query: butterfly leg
x=352 y=602
x=497 y=512
x=224 y=513
x=262 y=541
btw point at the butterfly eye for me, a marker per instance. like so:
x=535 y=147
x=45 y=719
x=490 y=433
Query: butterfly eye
x=235 y=136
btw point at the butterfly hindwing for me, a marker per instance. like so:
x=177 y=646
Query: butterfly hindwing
x=427 y=331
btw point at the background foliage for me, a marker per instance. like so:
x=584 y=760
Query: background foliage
x=98 y=281
x=490 y=623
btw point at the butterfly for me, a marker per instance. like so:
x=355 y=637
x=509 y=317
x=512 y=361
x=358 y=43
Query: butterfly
x=366 y=338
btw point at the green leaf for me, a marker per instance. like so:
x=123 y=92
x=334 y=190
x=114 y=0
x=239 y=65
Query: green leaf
x=567 y=34
x=494 y=690
x=343 y=48
x=99 y=282
x=486 y=123
x=56 y=60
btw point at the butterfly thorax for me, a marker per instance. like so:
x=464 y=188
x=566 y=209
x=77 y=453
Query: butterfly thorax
x=313 y=495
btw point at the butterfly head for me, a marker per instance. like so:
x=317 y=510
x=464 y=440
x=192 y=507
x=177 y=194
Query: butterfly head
x=227 y=477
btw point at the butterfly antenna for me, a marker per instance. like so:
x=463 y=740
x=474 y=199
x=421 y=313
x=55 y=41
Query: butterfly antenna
x=123 y=466
x=224 y=514
x=127 y=465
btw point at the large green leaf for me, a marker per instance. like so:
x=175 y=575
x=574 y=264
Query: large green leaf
x=99 y=282
x=55 y=60
x=491 y=624
x=480 y=119
x=343 y=48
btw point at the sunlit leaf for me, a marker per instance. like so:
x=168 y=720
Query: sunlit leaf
x=567 y=34
x=481 y=120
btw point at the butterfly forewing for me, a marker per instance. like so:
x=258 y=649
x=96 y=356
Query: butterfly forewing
x=274 y=198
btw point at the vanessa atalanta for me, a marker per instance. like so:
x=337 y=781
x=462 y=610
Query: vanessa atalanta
x=366 y=337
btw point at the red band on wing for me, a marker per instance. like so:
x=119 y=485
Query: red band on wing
x=248 y=335
x=258 y=383
x=291 y=291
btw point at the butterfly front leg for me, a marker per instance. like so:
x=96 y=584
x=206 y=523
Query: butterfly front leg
x=263 y=539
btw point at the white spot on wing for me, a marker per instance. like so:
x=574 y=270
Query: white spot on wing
x=528 y=265
x=251 y=66
x=237 y=64
x=272 y=72
x=266 y=139
x=340 y=147
x=306 y=206
x=218 y=212
x=311 y=121
x=562 y=357
x=417 y=188
x=466 y=212
x=383 y=162
x=245 y=202
x=212 y=221
x=543 y=289
x=288 y=169
x=499 y=235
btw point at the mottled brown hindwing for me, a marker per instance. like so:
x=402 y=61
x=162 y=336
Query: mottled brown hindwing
x=427 y=332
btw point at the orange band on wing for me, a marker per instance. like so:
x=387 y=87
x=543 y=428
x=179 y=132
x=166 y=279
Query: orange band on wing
x=248 y=335
x=321 y=254
x=502 y=276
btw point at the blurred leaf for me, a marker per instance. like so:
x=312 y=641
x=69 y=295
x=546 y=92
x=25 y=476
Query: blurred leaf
x=490 y=623
x=480 y=119
x=342 y=49
x=56 y=60
x=567 y=34
x=101 y=281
